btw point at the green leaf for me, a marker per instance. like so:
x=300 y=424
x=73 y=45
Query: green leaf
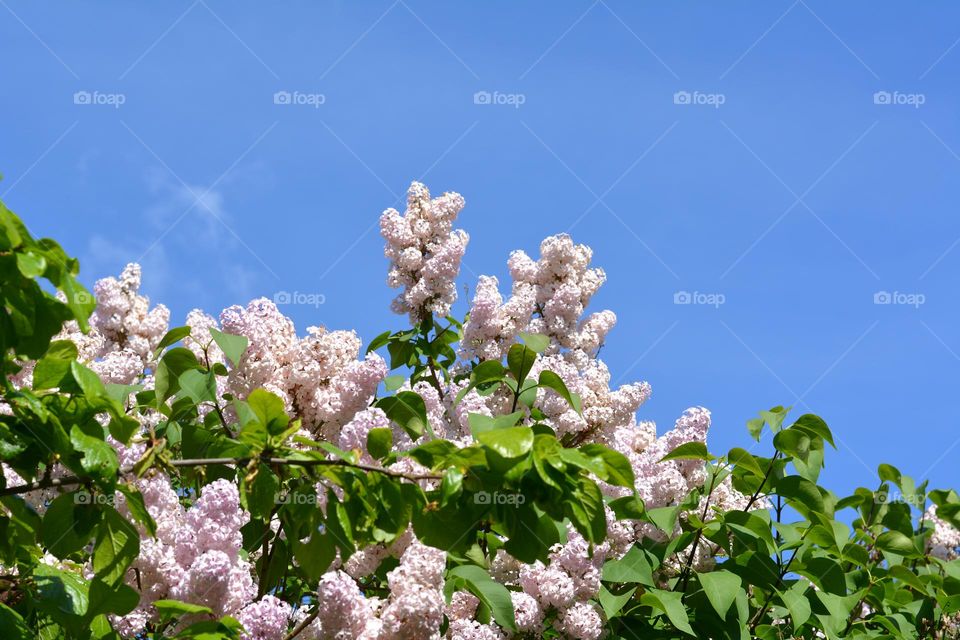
x=800 y=493
x=487 y=371
x=520 y=359
x=536 y=341
x=137 y=507
x=745 y=460
x=896 y=542
x=170 y=337
x=721 y=588
x=169 y=609
x=13 y=626
x=795 y=600
x=793 y=442
x=61 y=591
x=199 y=386
x=31 y=265
x=99 y=458
x=634 y=567
x=669 y=602
x=54 y=366
x=231 y=345
x=408 y=410
x=379 y=442
x=378 y=342
x=88 y=381
x=511 y=442
x=689 y=451
x=68 y=524
x=480 y=423
x=173 y=363
x=270 y=411
x=815 y=425
x=315 y=555
x=550 y=380
x=394 y=382
x=491 y=593
x=619 y=469
x=117 y=545
x=612 y=603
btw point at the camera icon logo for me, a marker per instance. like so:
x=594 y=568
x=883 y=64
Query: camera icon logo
x=82 y=97
x=681 y=97
x=282 y=297
x=882 y=97
x=882 y=297
x=482 y=497
x=282 y=97
x=682 y=297
x=482 y=97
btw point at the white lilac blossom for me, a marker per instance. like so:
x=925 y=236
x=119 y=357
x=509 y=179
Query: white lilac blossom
x=425 y=252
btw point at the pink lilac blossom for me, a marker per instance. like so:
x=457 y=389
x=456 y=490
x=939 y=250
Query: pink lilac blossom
x=944 y=543
x=266 y=619
x=424 y=251
x=318 y=376
x=195 y=556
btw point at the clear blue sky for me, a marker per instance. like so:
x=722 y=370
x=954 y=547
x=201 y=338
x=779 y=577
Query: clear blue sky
x=797 y=199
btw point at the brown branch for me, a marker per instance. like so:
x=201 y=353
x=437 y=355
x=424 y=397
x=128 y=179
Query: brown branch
x=202 y=462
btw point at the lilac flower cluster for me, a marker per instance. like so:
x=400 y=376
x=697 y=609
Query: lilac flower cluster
x=425 y=252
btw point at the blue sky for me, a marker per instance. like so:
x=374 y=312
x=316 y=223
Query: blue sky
x=738 y=151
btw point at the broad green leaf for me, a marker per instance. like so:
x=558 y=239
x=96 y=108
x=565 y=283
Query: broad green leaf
x=511 y=442
x=480 y=423
x=793 y=442
x=379 y=442
x=491 y=593
x=231 y=345
x=54 y=366
x=800 y=493
x=688 y=451
x=619 y=469
x=636 y=566
x=68 y=523
x=269 y=410
x=59 y=590
x=536 y=341
x=117 y=545
x=408 y=410
x=169 y=609
x=721 y=588
x=550 y=380
x=669 y=602
x=795 y=600
x=170 y=337
x=815 y=425
x=520 y=359
x=315 y=555
x=896 y=542
x=199 y=386
x=99 y=458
